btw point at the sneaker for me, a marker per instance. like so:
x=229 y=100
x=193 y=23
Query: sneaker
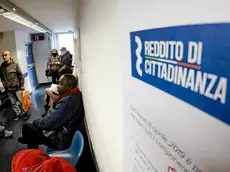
x=16 y=117
x=26 y=116
x=8 y=133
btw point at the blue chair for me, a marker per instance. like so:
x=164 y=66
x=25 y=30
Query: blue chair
x=74 y=152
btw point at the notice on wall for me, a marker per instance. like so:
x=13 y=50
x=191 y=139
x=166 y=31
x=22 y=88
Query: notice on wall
x=176 y=94
x=188 y=62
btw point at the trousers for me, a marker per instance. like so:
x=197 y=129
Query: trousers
x=16 y=98
x=55 y=77
x=34 y=137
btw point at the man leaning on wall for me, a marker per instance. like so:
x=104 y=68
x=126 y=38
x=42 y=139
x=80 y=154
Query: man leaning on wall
x=13 y=80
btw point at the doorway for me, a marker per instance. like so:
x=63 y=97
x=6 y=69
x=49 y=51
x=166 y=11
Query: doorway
x=31 y=67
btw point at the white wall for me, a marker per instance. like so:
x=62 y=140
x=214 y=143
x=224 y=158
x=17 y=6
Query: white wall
x=101 y=81
x=8 y=43
x=101 y=65
x=41 y=51
x=21 y=38
x=54 y=41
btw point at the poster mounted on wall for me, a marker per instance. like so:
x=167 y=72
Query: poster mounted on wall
x=176 y=91
x=189 y=62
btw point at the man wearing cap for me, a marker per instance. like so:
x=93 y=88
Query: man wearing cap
x=66 y=61
x=13 y=81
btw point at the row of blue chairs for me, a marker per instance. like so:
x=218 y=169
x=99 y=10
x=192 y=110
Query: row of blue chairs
x=74 y=152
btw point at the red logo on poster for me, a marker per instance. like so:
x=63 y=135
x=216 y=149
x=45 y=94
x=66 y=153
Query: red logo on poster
x=170 y=169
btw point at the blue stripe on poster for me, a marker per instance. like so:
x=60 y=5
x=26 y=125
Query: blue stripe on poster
x=189 y=62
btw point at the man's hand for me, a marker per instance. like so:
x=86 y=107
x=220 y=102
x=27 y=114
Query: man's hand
x=54 y=92
x=22 y=88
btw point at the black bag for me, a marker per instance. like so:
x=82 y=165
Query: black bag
x=48 y=72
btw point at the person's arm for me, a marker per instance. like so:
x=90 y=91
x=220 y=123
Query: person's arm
x=55 y=120
x=69 y=61
x=59 y=61
x=49 y=62
x=20 y=76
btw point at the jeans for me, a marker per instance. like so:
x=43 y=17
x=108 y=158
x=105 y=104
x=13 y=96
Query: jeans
x=16 y=98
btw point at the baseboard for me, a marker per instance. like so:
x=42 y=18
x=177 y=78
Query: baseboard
x=45 y=83
x=91 y=147
x=38 y=85
x=35 y=87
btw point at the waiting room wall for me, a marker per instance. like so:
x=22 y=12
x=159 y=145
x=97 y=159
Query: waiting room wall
x=21 y=39
x=7 y=42
x=101 y=81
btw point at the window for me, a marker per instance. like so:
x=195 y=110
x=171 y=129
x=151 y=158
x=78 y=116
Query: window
x=66 y=40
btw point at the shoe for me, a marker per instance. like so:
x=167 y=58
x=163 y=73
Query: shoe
x=44 y=114
x=26 y=116
x=8 y=133
x=16 y=117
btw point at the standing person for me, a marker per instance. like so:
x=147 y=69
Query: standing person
x=54 y=62
x=66 y=61
x=13 y=81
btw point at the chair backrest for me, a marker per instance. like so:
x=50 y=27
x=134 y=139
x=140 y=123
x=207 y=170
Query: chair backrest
x=76 y=147
x=73 y=153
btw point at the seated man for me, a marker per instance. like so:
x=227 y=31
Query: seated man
x=57 y=129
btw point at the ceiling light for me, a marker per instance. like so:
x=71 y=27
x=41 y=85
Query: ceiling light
x=14 y=9
x=22 y=21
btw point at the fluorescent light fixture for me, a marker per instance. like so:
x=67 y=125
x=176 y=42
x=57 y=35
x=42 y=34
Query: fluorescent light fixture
x=21 y=20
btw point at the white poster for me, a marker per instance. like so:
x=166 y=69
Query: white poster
x=176 y=85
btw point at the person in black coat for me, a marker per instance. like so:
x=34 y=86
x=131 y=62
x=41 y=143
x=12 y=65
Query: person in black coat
x=57 y=129
x=66 y=61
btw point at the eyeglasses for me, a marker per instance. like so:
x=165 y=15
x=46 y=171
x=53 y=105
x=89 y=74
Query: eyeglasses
x=4 y=55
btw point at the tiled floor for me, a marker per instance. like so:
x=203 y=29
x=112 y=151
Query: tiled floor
x=9 y=147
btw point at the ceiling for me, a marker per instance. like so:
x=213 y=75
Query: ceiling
x=57 y=15
x=9 y=25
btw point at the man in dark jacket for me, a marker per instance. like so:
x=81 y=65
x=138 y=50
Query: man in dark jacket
x=66 y=61
x=13 y=81
x=57 y=129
